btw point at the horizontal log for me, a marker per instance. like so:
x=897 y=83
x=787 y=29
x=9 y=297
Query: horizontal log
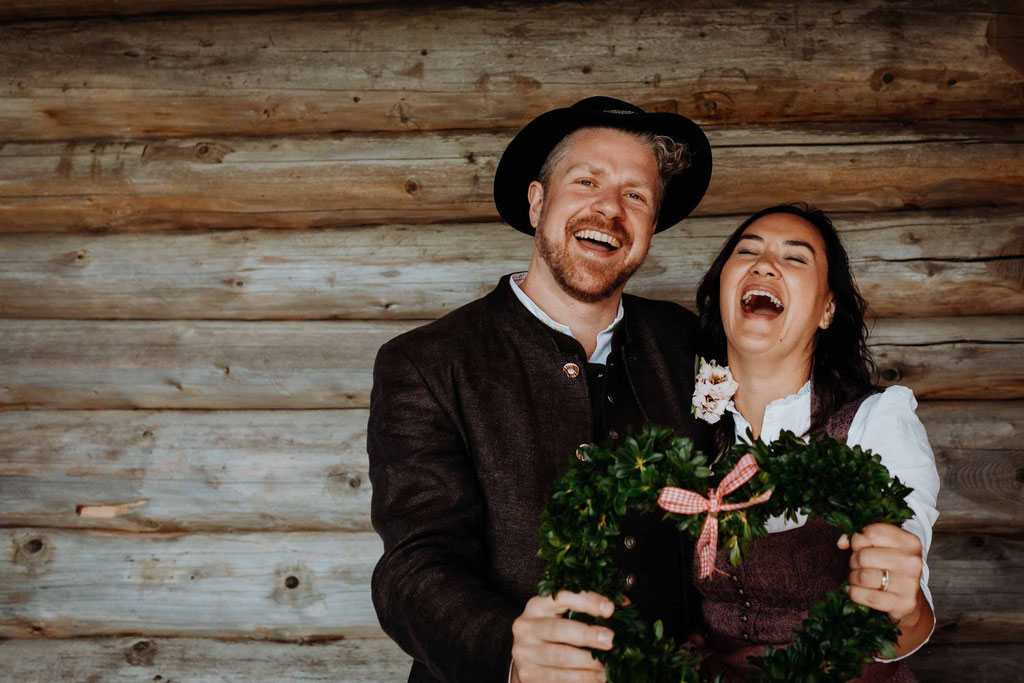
x=95 y=365
x=967 y=663
x=123 y=660
x=931 y=355
x=129 y=660
x=54 y=9
x=980 y=460
x=278 y=586
x=976 y=582
x=358 y=179
x=70 y=364
x=185 y=471
x=283 y=470
x=922 y=263
x=304 y=585
x=385 y=68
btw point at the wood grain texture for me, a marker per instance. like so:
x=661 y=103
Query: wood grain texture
x=60 y=584
x=51 y=9
x=200 y=660
x=93 y=364
x=978 y=452
x=455 y=65
x=977 y=581
x=306 y=470
x=931 y=263
x=982 y=663
x=346 y=179
x=932 y=356
x=372 y=660
x=192 y=470
x=280 y=586
x=70 y=364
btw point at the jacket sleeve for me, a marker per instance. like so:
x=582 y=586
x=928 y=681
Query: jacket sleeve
x=430 y=587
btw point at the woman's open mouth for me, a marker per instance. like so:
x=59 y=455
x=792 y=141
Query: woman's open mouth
x=760 y=303
x=596 y=241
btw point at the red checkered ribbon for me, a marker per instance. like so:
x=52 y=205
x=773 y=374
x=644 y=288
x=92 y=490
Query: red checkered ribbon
x=683 y=501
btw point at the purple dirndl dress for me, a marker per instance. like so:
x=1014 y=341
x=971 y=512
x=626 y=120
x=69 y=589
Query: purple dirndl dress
x=764 y=600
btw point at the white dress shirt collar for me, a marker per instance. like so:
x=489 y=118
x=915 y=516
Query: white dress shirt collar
x=604 y=337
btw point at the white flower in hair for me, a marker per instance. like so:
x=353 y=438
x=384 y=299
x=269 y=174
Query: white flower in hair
x=712 y=391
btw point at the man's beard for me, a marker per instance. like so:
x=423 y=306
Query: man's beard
x=569 y=274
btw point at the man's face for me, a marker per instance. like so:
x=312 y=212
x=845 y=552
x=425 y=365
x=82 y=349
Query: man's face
x=595 y=221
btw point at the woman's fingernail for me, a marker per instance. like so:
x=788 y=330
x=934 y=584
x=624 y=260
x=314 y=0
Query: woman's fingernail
x=606 y=607
x=843 y=539
x=605 y=638
x=601 y=677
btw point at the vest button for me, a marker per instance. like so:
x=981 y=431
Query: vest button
x=612 y=433
x=629 y=542
x=579 y=451
x=744 y=618
x=746 y=636
x=611 y=399
x=630 y=580
x=571 y=370
x=746 y=603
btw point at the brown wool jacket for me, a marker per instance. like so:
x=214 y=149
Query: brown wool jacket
x=471 y=419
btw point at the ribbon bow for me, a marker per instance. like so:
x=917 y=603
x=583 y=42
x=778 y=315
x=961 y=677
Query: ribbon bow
x=683 y=501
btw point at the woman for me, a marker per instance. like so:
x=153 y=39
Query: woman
x=780 y=307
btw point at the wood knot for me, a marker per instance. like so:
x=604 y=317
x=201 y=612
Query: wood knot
x=713 y=104
x=587 y=69
x=141 y=653
x=32 y=551
x=910 y=238
x=79 y=258
x=291 y=582
x=891 y=375
x=1019 y=475
x=411 y=186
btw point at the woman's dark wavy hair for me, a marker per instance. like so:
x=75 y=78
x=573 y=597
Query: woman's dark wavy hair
x=841 y=366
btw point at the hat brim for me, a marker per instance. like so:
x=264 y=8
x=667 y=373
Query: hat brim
x=521 y=163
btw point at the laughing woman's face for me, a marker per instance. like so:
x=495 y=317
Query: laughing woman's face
x=774 y=288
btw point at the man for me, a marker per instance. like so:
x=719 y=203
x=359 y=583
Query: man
x=473 y=416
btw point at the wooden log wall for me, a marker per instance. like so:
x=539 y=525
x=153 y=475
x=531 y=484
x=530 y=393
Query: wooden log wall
x=211 y=219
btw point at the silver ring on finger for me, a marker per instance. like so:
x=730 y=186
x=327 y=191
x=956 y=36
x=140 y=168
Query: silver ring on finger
x=885 y=580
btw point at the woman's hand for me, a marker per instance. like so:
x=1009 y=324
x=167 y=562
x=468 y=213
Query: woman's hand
x=885 y=574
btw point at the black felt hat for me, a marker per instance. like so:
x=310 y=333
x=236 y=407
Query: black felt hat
x=520 y=164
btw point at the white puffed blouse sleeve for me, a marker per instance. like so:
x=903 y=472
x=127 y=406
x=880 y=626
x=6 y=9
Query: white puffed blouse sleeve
x=888 y=425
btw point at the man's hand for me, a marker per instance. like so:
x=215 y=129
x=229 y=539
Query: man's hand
x=548 y=647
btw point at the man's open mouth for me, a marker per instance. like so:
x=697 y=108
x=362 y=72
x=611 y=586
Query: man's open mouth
x=597 y=240
x=761 y=302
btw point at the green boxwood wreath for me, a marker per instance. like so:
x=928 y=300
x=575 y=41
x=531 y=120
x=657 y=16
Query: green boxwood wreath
x=824 y=478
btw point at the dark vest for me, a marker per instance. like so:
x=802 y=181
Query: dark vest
x=765 y=599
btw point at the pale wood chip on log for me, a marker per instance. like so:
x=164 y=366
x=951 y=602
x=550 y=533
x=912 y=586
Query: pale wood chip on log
x=307 y=470
x=358 y=179
x=72 y=364
x=929 y=263
x=385 y=67
x=199 y=660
